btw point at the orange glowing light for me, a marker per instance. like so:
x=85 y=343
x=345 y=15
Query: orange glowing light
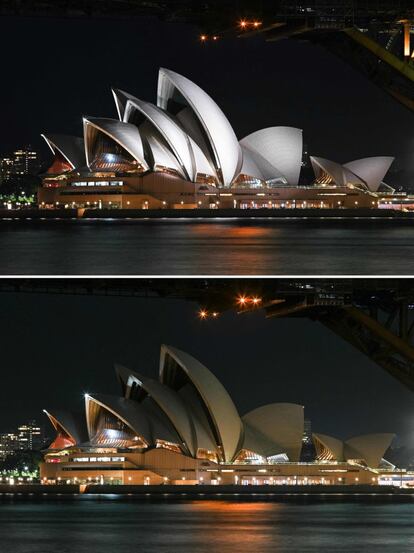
x=203 y=314
x=256 y=300
x=215 y=314
x=203 y=38
x=228 y=507
x=215 y=37
x=242 y=300
x=256 y=24
x=243 y=24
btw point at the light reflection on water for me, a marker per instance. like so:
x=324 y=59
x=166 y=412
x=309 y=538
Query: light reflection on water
x=212 y=526
x=215 y=231
x=195 y=247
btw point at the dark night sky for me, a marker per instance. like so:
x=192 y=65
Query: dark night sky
x=55 y=348
x=56 y=70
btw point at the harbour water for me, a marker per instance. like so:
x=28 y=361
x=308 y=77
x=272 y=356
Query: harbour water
x=111 y=524
x=213 y=247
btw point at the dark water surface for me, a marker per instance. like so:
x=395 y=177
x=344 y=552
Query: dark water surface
x=207 y=247
x=118 y=526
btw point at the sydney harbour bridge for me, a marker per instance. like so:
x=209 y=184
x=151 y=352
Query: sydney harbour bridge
x=376 y=316
x=374 y=36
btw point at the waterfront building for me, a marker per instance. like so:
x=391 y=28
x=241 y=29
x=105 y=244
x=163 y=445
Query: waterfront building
x=25 y=162
x=8 y=444
x=21 y=163
x=185 y=428
x=27 y=437
x=6 y=168
x=183 y=153
x=307 y=431
x=30 y=436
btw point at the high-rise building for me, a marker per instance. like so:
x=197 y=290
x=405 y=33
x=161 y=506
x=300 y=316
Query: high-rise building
x=27 y=437
x=305 y=156
x=307 y=432
x=8 y=444
x=30 y=436
x=308 y=453
x=25 y=161
x=22 y=162
x=6 y=168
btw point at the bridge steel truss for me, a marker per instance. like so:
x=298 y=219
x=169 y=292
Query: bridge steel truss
x=381 y=330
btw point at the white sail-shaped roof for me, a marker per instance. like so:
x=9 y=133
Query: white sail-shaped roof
x=351 y=178
x=160 y=152
x=167 y=400
x=328 y=447
x=220 y=135
x=369 y=447
x=190 y=411
x=281 y=147
x=268 y=171
x=175 y=137
x=331 y=168
x=255 y=441
x=222 y=413
x=251 y=168
x=200 y=420
x=70 y=147
x=367 y=172
x=129 y=412
x=121 y=98
x=125 y=134
x=200 y=162
x=371 y=170
x=70 y=423
x=188 y=121
x=280 y=423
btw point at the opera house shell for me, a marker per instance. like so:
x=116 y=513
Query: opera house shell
x=183 y=152
x=367 y=173
x=185 y=421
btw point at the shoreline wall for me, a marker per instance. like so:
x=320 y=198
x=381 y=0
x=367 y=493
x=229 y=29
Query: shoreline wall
x=264 y=213
x=205 y=490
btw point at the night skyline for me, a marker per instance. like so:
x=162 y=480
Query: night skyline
x=57 y=348
x=207 y=276
x=288 y=82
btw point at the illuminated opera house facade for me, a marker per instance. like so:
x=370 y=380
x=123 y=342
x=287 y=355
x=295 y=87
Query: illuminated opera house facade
x=185 y=429
x=183 y=153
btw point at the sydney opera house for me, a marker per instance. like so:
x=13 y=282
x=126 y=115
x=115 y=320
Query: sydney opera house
x=185 y=429
x=183 y=153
